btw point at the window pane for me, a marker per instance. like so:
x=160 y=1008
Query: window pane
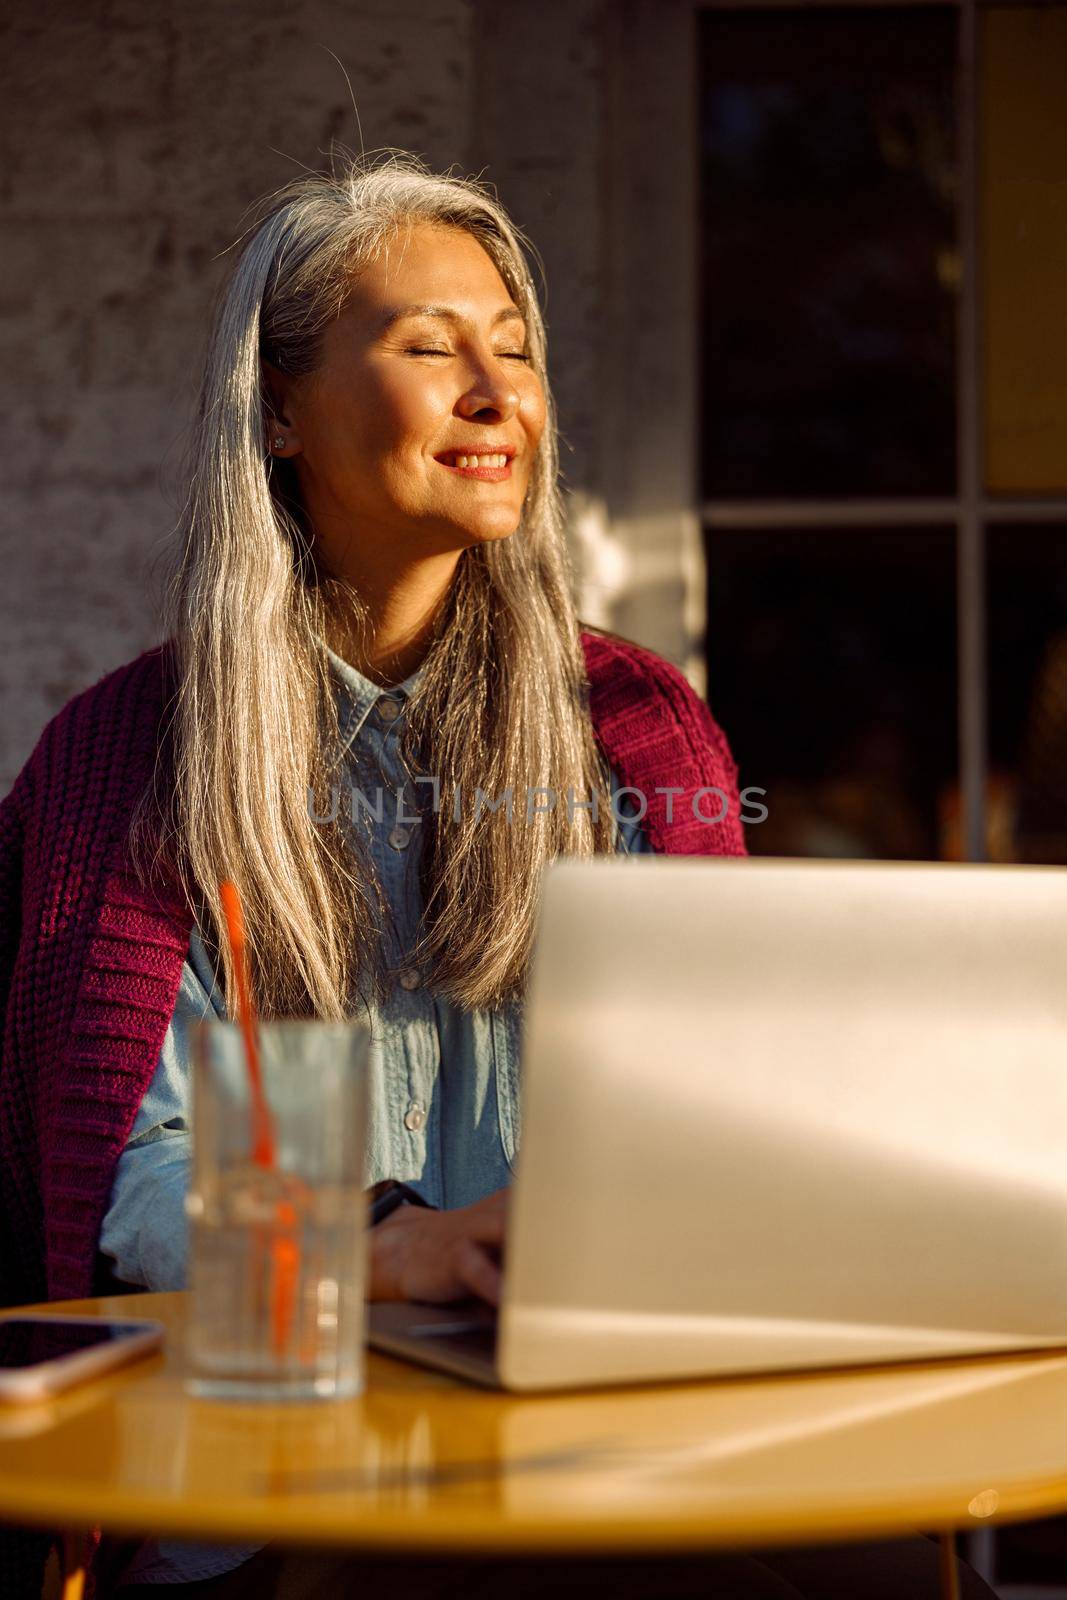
x=832 y=666
x=829 y=256
x=1027 y=586
x=1023 y=167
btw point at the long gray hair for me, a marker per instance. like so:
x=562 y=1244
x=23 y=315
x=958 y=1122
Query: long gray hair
x=252 y=727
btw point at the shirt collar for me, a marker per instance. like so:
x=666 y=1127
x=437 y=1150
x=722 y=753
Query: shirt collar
x=357 y=695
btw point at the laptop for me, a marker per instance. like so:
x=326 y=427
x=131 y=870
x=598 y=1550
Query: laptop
x=777 y=1114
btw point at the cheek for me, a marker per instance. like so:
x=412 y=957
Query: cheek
x=377 y=413
x=534 y=412
x=408 y=405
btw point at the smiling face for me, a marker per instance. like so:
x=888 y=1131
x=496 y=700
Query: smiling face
x=374 y=432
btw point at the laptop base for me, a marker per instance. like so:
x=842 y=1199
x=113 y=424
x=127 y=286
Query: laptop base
x=459 y=1339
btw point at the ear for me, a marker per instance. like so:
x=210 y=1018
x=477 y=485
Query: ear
x=281 y=411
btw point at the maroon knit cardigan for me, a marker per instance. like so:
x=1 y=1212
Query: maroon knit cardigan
x=91 y=960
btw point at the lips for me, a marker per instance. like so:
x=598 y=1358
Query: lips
x=484 y=454
x=488 y=474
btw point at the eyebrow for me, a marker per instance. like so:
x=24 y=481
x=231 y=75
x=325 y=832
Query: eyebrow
x=507 y=314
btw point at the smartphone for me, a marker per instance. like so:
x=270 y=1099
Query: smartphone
x=40 y=1356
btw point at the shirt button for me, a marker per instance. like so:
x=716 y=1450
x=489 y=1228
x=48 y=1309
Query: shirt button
x=409 y=978
x=399 y=837
x=388 y=709
x=414 y=1117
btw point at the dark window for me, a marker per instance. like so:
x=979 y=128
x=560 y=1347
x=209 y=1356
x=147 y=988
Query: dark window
x=832 y=665
x=1027 y=604
x=829 y=252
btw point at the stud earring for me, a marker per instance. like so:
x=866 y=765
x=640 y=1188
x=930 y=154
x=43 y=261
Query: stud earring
x=279 y=441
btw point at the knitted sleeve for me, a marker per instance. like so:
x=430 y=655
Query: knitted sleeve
x=12 y=837
x=665 y=743
x=92 y=985
x=13 y=825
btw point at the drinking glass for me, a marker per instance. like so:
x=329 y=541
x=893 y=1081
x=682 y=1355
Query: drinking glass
x=278 y=1247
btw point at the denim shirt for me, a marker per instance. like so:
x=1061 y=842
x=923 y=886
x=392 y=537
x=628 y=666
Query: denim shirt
x=443 y=1102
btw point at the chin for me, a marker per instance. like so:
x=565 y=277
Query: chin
x=484 y=533
x=489 y=535
x=445 y=534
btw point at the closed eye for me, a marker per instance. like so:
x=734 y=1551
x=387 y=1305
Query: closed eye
x=508 y=355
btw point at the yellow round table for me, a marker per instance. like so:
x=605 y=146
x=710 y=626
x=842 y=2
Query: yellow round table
x=421 y=1461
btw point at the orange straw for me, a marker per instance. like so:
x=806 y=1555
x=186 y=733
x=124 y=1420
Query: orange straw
x=285 y=1253
x=263 y=1129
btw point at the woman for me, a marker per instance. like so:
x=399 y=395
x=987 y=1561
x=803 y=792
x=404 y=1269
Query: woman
x=354 y=598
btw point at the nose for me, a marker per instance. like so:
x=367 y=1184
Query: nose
x=491 y=396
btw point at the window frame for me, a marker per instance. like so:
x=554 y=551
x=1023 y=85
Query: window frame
x=972 y=509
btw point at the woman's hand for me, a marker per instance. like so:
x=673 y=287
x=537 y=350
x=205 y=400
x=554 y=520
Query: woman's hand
x=437 y=1256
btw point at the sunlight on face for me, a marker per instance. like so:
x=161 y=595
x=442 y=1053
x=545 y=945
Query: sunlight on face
x=397 y=390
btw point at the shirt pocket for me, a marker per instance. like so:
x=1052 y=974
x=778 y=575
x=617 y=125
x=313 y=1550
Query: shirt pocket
x=506 y=1035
